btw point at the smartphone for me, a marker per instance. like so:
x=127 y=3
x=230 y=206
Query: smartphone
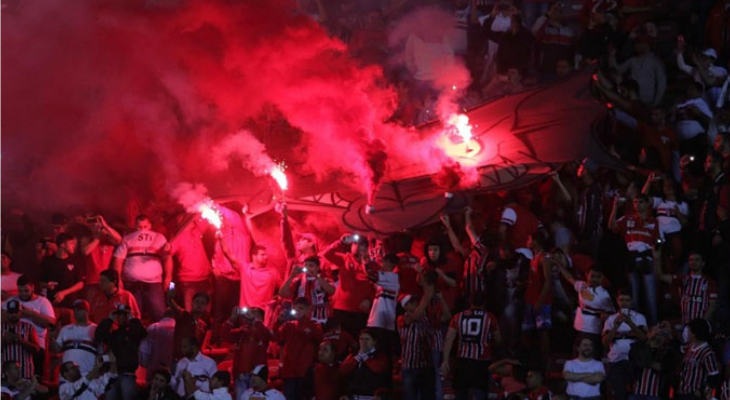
x=658 y=177
x=304 y=269
x=241 y=310
x=659 y=242
x=692 y=158
x=92 y=220
x=352 y=238
x=105 y=358
x=293 y=312
x=171 y=286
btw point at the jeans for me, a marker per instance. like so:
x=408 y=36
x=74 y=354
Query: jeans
x=150 y=298
x=439 y=384
x=242 y=383
x=618 y=377
x=187 y=290
x=293 y=388
x=124 y=388
x=650 y=301
x=225 y=297
x=418 y=384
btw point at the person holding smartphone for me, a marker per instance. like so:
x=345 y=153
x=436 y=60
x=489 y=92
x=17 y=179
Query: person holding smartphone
x=97 y=250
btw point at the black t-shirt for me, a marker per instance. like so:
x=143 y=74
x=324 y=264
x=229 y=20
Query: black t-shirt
x=65 y=272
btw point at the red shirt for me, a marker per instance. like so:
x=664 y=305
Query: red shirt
x=102 y=305
x=474 y=332
x=98 y=260
x=522 y=223
x=327 y=382
x=536 y=281
x=301 y=340
x=639 y=234
x=251 y=342
x=343 y=341
x=665 y=141
x=354 y=286
x=408 y=276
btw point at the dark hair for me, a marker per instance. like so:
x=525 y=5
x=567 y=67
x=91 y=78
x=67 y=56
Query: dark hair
x=64 y=367
x=370 y=332
x=63 y=238
x=112 y=275
x=332 y=323
x=24 y=280
x=392 y=258
x=653 y=159
x=224 y=377
x=696 y=85
x=643 y=196
x=255 y=249
x=430 y=277
x=479 y=299
x=625 y=291
x=204 y=295
x=442 y=253
x=302 y=301
x=165 y=373
x=701 y=328
x=314 y=260
x=193 y=341
x=716 y=157
x=142 y=217
x=6 y=254
x=631 y=85
x=542 y=238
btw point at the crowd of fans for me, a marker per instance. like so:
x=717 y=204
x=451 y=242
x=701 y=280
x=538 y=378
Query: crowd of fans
x=590 y=284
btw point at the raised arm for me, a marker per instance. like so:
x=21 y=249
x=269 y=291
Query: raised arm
x=470 y=231
x=455 y=243
x=422 y=306
x=287 y=239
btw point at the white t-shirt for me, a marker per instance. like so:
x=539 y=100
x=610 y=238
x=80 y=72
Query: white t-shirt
x=200 y=366
x=582 y=389
x=40 y=305
x=9 y=283
x=687 y=129
x=666 y=216
x=78 y=344
x=382 y=313
x=592 y=301
x=143 y=252
x=619 y=349
x=270 y=394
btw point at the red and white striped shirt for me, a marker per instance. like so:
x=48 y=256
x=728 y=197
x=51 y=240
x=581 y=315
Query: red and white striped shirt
x=309 y=287
x=699 y=363
x=16 y=351
x=416 y=343
x=474 y=331
x=696 y=292
x=648 y=383
x=473 y=267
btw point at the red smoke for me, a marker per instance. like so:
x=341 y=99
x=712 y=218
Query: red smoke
x=105 y=101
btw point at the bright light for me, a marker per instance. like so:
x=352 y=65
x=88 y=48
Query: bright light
x=210 y=213
x=277 y=172
x=460 y=124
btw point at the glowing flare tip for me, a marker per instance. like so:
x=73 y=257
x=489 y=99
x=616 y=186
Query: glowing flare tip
x=277 y=172
x=460 y=122
x=209 y=213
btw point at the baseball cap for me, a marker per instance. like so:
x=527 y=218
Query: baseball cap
x=81 y=304
x=405 y=299
x=710 y=53
x=12 y=306
x=262 y=371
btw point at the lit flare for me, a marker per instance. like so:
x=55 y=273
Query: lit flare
x=277 y=172
x=209 y=212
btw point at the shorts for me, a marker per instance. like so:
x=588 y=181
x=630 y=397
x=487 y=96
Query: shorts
x=540 y=321
x=471 y=374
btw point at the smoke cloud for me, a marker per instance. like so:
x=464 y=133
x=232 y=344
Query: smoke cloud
x=108 y=100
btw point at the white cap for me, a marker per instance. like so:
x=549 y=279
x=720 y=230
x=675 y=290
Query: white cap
x=405 y=300
x=710 y=53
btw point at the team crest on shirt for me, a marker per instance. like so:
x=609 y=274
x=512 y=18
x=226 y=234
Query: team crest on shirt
x=587 y=294
x=630 y=224
x=70 y=267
